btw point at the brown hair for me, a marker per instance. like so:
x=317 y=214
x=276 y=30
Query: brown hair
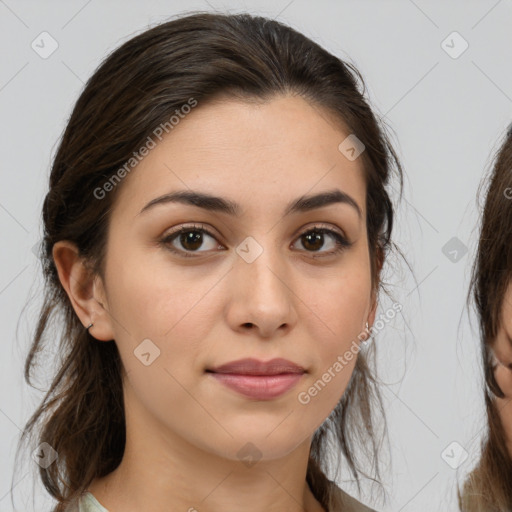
x=135 y=89
x=489 y=486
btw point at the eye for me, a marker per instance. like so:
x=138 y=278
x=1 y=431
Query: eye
x=314 y=239
x=190 y=238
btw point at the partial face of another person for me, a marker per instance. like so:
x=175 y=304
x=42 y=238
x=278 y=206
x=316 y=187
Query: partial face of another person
x=502 y=347
x=248 y=277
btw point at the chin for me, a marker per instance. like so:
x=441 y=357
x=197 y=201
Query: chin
x=256 y=445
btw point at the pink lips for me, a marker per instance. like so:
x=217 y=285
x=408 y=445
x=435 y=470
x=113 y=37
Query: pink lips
x=259 y=380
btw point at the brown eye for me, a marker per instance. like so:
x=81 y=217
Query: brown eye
x=314 y=239
x=191 y=239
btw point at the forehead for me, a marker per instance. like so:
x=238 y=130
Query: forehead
x=259 y=154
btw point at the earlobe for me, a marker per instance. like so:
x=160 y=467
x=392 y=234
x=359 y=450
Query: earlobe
x=82 y=289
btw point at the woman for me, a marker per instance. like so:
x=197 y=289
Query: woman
x=489 y=486
x=215 y=226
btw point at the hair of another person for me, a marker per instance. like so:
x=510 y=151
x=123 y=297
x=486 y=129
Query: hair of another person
x=488 y=488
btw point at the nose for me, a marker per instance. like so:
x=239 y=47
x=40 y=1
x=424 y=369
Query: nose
x=261 y=296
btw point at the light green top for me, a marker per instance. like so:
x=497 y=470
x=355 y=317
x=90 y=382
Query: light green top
x=88 y=503
x=341 y=501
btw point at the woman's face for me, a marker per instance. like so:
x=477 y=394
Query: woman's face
x=261 y=283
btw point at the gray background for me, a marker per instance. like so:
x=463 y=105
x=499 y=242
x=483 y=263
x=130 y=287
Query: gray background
x=448 y=115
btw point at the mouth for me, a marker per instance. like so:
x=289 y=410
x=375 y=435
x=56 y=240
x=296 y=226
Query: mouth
x=258 y=380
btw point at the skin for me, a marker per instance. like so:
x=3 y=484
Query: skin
x=184 y=428
x=502 y=349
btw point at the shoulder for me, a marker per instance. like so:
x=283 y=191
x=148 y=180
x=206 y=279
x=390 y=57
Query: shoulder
x=341 y=501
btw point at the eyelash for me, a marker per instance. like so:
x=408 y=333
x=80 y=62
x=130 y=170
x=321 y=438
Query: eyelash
x=341 y=242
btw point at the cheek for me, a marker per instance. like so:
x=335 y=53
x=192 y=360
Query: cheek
x=161 y=316
x=162 y=343
x=154 y=298
x=342 y=304
x=340 y=312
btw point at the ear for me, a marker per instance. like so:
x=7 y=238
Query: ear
x=85 y=291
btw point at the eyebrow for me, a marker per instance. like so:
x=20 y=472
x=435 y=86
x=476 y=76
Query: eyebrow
x=218 y=204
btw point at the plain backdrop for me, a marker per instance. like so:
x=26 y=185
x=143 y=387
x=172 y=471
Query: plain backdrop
x=439 y=75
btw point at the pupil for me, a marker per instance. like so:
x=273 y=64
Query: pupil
x=191 y=238
x=317 y=237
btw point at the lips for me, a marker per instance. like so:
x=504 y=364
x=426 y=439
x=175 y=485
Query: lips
x=258 y=380
x=252 y=366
